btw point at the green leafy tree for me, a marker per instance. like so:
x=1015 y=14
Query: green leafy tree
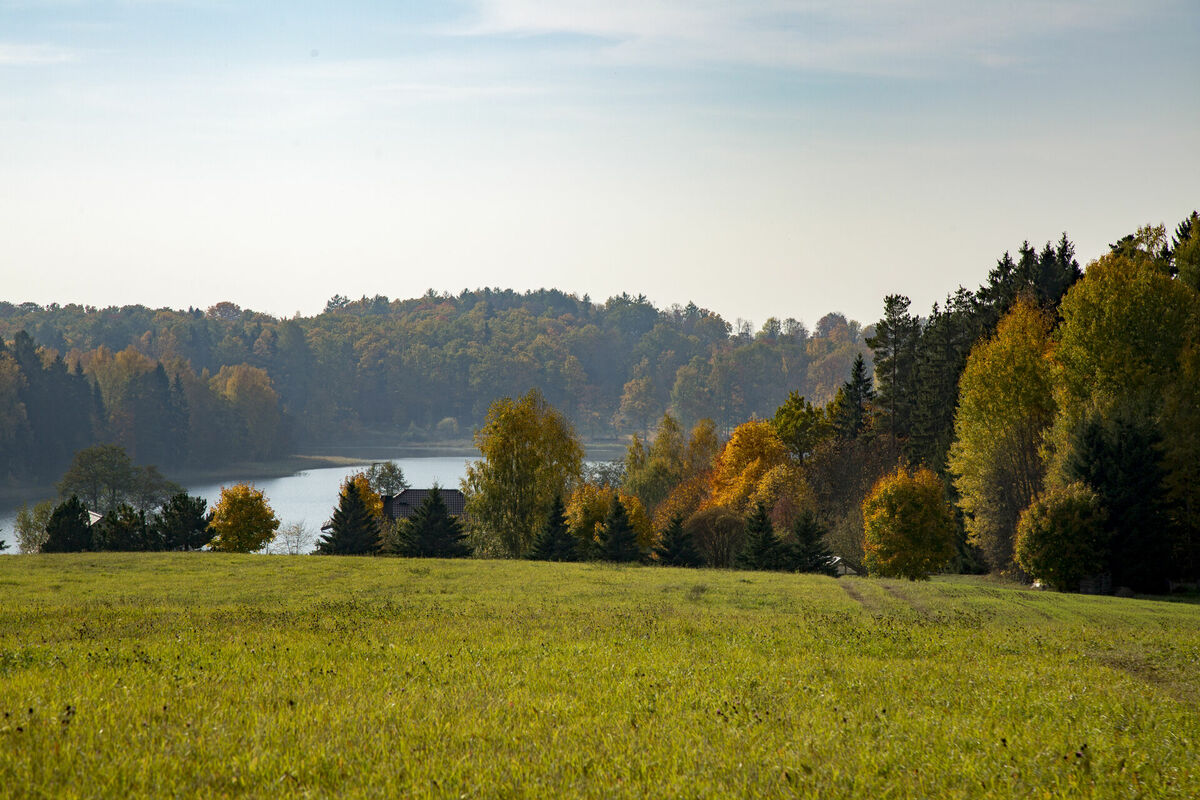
x=619 y=540
x=242 y=521
x=355 y=529
x=801 y=426
x=675 y=547
x=908 y=529
x=807 y=551
x=69 y=528
x=555 y=542
x=1006 y=404
x=102 y=477
x=31 y=524
x=183 y=522
x=386 y=479
x=1062 y=538
x=530 y=455
x=431 y=532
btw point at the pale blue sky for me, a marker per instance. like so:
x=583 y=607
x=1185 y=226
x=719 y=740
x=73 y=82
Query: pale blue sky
x=760 y=157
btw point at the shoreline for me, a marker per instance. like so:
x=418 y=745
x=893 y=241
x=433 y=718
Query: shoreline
x=13 y=496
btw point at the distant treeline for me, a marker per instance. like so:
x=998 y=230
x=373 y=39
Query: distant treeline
x=200 y=388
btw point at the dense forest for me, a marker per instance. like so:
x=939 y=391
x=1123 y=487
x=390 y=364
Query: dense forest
x=197 y=388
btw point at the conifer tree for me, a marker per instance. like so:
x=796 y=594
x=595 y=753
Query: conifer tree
x=68 y=529
x=183 y=523
x=676 y=548
x=355 y=530
x=555 y=542
x=125 y=529
x=895 y=347
x=431 y=532
x=620 y=539
x=807 y=552
x=761 y=549
x=852 y=406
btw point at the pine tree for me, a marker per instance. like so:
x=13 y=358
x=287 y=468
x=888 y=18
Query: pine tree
x=761 y=549
x=895 y=347
x=620 y=540
x=852 y=406
x=183 y=523
x=807 y=552
x=355 y=530
x=431 y=532
x=125 y=529
x=68 y=530
x=676 y=548
x=555 y=542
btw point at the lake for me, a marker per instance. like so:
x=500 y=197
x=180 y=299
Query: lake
x=307 y=497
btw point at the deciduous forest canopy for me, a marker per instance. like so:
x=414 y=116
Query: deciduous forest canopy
x=205 y=387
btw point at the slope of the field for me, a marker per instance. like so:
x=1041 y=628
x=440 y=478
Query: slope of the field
x=208 y=675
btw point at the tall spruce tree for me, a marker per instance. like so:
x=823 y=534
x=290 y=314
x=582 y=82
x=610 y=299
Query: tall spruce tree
x=895 y=348
x=676 y=547
x=431 y=532
x=619 y=538
x=355 y=530
x=807 y=552
x=554 y=542
x=852 y=407
x=761 y=549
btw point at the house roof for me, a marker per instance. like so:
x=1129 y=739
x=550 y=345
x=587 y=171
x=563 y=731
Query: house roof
x=405 y=504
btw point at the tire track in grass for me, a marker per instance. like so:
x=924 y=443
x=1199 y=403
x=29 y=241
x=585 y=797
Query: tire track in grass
x=920 y=608
x=869 y=604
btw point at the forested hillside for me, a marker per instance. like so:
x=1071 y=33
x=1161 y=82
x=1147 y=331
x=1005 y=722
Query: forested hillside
x=203 y=387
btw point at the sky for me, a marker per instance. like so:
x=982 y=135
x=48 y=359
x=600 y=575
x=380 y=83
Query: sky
x=760 y=158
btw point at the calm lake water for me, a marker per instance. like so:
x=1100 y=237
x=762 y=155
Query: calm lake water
x=307 y=497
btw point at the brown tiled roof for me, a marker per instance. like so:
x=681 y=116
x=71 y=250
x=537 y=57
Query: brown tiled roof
x=405 y=504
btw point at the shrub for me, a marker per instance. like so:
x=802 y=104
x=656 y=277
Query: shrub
x=1062 y=539
x=908 y=529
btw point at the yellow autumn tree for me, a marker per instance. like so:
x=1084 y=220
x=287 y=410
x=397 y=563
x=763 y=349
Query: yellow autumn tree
x=242 y=521
x=752 y=451
x=589 y=504
x=908 y=529
x=249 y=391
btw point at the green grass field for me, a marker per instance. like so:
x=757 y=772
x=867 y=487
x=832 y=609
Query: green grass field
x=210 y=675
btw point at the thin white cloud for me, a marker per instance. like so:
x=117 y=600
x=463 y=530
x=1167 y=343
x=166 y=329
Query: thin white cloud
x=852 y=36
x=33 y=55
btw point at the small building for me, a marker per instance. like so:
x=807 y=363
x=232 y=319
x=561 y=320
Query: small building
x=405 y=504
x=841 y=567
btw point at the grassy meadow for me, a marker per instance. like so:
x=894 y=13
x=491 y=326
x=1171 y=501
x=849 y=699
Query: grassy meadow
x=211 y=676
